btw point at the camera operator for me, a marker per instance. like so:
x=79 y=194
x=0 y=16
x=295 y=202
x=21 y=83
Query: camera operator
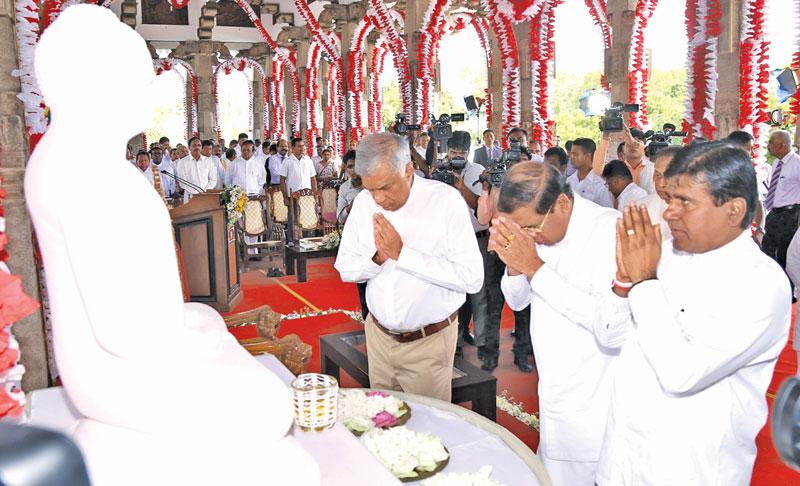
x=488 y=339
x=632 y=154
x=465 y=176
x=412 y=134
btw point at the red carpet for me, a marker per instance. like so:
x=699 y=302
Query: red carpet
x=325 y=291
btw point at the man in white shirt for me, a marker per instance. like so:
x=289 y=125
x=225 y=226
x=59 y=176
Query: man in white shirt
x=297 y=172
x=657 y=202
x=710 y=315
x=165 y=148
x=631 y=151
x=319 y=146
x=160 y=163
x=197 y=169
x=207 y=150
x=793 y=270
x=559 y=252
x=620 y=184
x=275 y=163
x=247 y=171
x=584 y=181
x=783 y=198
x=421 y=144
x=417 y=274
x=348 y=190
x=143 y=164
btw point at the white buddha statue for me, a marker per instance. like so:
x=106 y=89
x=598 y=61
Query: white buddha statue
x=168 y=395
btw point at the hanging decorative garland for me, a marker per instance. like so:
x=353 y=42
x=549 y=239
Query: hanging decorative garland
x=431 y=32
x=276 y=98
x=239 y=64
x=754 y=76
x=520 y=10
x=399 y=49
x=501 y=24
x=703 y=28
x=542 y=53
x=162 y=65
x=375 y=98
x=638 y=65
x=599 y=12
x=794 y=104
x=287 y=58
x=355 y=73
x=27 y=22
x=312 y=94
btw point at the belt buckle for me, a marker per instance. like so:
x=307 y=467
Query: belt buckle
x=422 y=330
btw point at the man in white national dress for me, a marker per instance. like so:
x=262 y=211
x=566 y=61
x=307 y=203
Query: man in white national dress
x=710 y=314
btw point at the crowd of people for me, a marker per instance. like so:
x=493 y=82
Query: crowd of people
x=650 y=289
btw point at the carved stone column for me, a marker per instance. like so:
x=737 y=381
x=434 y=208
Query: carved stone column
x=727 y=103
x=495 y=82
x=202 y=55
x=13 y=156
x=523 y=34
x=621 y=14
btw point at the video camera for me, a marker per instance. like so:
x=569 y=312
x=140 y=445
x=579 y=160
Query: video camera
x=401 y=127
x=441 y=133
x=445 y=170
x=442 y=130
x=662 y=139
x=612 y=118
x=498 y=167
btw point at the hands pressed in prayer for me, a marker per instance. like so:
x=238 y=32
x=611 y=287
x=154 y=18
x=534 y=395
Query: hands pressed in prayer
x=387 y=240
x=515 y=246
x=638 y=245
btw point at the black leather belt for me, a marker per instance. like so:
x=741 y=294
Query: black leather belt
x=425 y=331
x=790 y=207
x=482 y=234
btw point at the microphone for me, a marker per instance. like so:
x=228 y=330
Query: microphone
x=184 y=181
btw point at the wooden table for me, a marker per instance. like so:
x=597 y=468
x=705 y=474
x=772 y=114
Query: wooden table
x=294 y=254
x=470 y=383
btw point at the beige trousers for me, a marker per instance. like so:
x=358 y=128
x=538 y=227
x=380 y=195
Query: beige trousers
x=423 y=367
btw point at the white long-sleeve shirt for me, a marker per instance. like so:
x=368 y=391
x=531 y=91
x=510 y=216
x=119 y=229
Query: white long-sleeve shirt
x=578 y=319
x=167 y=182
x=438 y=265
x=793 y=270
x=631 y=193
x=201 y=172
x=275 y=164
x=250 y=175
x=655 y=208
x=787 y=191
x=688 y=395
x=592 y=187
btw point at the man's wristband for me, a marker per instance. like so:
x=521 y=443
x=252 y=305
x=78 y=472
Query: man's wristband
x=622 y=286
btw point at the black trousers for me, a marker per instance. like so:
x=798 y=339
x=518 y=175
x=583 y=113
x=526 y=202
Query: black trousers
x=362 y=296
x=779 y=229
x=493 y=274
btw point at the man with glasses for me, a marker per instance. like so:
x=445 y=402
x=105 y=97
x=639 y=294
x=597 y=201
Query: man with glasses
x=559 y=251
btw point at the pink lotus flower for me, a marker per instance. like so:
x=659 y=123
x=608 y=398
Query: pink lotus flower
x=384 y=419
x=377 y=394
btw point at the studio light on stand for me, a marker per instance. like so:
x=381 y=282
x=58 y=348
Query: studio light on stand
x=594 y=102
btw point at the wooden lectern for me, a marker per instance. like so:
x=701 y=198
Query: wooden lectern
x=208 y=245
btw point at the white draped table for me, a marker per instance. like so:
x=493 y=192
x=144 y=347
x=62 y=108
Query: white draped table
x=473 y=441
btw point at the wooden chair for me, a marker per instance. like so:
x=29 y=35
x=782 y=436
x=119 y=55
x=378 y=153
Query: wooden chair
x=328 y=201
x=255 y=224
x=306 y=221
x=277 y=207
x=290 y=350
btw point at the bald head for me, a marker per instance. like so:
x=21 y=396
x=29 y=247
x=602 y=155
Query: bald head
x=532 y=184
x=780 y=144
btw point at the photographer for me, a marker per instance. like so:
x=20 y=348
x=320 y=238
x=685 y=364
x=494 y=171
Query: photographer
x=464 y=178
x=489 y=338
x=633 y=154
x=412 y=133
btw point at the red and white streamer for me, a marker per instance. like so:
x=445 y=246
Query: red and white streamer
x=503 y=29
x=520 y=10
x=239 y=64
x=431 y=32
x=397 y=45
x=375 y=97
x=276 y=100
x=288 y=59
x=599 y=12
x=703 y=28
x=190 y=122
x=312 y=94
x=27 y=22
x=638 y=64
x=542 y=50
x=355 y=76
x=794 y=103
x=754 y=76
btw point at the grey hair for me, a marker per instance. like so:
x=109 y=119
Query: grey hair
x=786 y=136
x=381 y=148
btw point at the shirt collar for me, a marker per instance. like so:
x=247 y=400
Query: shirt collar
x=724 y=254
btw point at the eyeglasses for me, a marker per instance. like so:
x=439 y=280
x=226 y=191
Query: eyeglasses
x=538 y=228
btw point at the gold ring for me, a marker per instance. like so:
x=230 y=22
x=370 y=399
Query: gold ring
x=508 y=245
x=631 y=232
x=511 y=237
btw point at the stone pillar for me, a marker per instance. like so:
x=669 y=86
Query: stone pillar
x=522 y=32
x=263 y=56
x=621 y=14
x=29 y=331
x=726 y=110
x=202 y=55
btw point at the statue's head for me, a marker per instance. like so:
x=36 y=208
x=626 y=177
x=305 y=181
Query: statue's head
x=92 y=67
